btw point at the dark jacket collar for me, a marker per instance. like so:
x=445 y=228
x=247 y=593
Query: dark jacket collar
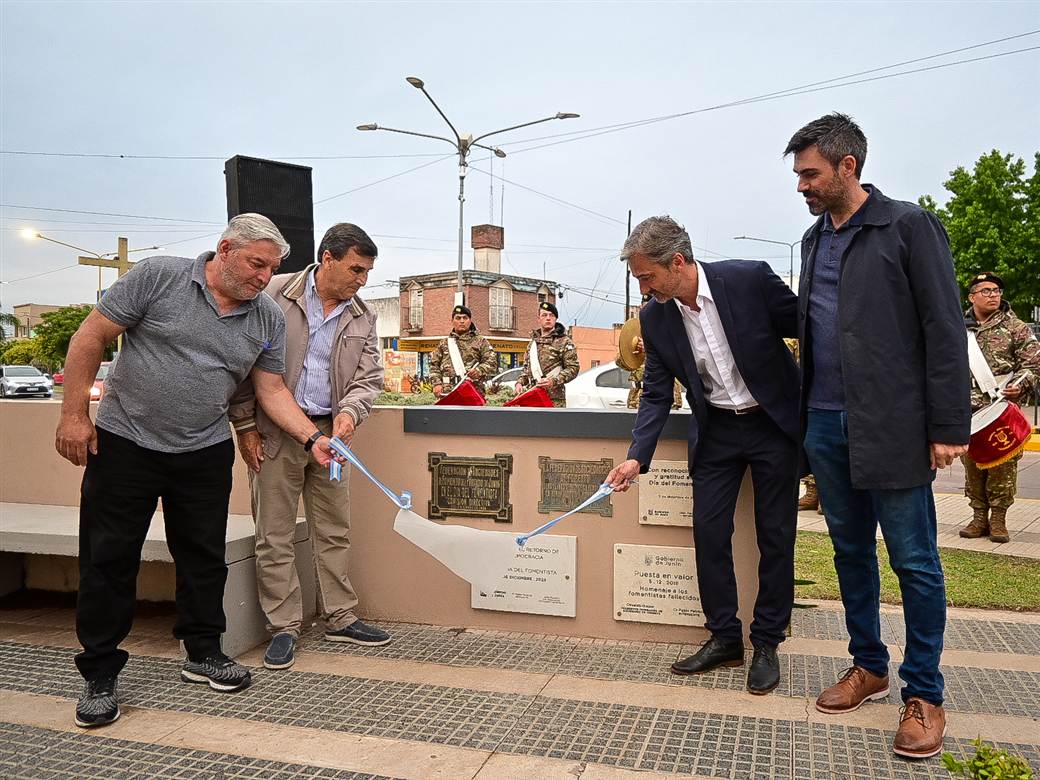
x=557 y=331
x=876 y=211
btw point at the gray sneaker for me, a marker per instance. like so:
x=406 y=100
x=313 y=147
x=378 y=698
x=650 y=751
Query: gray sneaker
x=219 y=671
x=359 y=633
x=99 y=705
x=281 y=652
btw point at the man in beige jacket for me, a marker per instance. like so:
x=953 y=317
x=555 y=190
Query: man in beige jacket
x=334 y=372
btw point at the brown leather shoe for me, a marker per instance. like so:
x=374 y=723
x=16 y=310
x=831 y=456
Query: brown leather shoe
x=811 y=500
x=979 y=525
x=998 y=531
x=856 y=686
x=922 y=727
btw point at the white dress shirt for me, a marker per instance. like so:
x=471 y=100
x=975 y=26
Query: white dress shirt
x=723 y=384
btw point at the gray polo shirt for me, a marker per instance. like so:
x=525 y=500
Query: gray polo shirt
x=181 y=359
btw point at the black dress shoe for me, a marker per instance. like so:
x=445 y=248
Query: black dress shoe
x=764 y=674
x=713 y=654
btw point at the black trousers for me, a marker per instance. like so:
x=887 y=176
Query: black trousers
x=121 y=488
x=730 y=444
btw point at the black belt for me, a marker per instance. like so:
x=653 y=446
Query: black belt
x=319 y=417
x=736 y=412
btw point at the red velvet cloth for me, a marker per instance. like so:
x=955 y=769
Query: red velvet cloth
x=536 y=397
x=464 y=394
x=1001 y=440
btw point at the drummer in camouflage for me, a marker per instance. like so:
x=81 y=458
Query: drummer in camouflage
x=552 y=354
x=1013 y=354
x=479 y=361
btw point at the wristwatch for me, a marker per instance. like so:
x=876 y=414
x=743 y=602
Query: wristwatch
x=310 y=442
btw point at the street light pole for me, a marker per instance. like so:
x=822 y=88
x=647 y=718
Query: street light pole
x=788 y=244
x=119 y=260
x=463 y=144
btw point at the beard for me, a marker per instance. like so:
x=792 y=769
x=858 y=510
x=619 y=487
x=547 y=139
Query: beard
x=830 y=197
x=239 y=289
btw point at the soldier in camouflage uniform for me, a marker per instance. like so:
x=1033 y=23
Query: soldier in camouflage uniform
x=555 y=351
x=635 y=379
x=1013 y=353
x=478 y=358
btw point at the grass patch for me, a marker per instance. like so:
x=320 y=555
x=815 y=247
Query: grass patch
x=973 y=579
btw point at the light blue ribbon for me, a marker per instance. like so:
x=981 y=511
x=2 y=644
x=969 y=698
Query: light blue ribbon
x=403 y=501
x=604 y=490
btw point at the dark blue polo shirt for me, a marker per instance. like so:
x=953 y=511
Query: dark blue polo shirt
x=827 y=390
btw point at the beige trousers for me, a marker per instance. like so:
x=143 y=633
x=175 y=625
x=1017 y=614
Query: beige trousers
x=276 y=494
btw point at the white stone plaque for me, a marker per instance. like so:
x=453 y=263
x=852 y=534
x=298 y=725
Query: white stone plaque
x=542 y=585
x=666 y=494
x=656 y=585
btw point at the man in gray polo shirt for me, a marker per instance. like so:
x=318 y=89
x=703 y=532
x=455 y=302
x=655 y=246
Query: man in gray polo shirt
x=194 y=330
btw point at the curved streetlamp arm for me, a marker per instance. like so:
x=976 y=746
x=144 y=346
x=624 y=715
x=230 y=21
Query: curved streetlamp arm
x=494 y=149
x=420 y=135
x=768 y=241
x=458 y=138
x=516 y=127
x=70 y=246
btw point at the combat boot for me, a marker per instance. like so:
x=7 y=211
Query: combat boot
x=811 y=499
x=979 y=525
x=998 y=531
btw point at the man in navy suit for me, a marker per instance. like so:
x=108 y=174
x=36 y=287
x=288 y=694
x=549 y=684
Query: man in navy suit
x=719 y=328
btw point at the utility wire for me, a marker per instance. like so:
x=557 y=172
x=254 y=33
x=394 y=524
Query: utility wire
x=106 y=214
x=780 y=92
x=765 y=98
x=550 y=197
x=386 y=178
x=207 y=157
x=42 y=273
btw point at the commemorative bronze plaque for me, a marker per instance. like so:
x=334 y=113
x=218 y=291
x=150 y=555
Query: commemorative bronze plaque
x=566 y=483
x=470 y=487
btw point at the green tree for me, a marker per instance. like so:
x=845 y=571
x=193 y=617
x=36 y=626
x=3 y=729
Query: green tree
x=55 y=331
x=993 y=219
x=19 y=352
x=8 y=325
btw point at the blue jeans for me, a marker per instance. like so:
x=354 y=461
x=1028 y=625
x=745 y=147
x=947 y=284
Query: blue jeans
x=907 y=519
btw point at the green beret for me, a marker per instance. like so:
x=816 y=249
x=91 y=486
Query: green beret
x=546 y=306
x=460 y=309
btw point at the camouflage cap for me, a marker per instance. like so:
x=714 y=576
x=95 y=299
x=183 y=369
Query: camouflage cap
x=546 y=306
x=986 y=276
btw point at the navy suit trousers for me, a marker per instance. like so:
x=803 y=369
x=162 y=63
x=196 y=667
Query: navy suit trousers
x=729 y=445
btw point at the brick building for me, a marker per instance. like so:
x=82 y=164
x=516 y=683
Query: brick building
x=505 y=307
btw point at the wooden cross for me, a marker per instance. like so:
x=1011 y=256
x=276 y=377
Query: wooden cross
x=120 y=262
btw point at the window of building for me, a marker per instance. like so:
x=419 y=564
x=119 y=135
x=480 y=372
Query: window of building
x=500 y=310
x=415 y=307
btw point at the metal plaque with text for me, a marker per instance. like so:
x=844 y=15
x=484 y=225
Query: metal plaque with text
x=666 y=494
x=656 y=585
x=470 y=487
x=566 y=483
x=540 y=582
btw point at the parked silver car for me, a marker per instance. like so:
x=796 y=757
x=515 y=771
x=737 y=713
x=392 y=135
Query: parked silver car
x=21 y=381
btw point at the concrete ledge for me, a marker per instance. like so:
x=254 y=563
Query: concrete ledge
x=54 y=530
x=39 y=545
x=555 y=423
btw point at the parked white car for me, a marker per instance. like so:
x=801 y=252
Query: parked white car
x=20 y=381
x=601 y=387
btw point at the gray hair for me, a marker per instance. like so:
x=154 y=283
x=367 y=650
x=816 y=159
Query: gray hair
x=659 y=239
x=247 y=228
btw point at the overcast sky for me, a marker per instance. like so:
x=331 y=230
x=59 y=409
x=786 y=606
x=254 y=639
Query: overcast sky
x=292 y=80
